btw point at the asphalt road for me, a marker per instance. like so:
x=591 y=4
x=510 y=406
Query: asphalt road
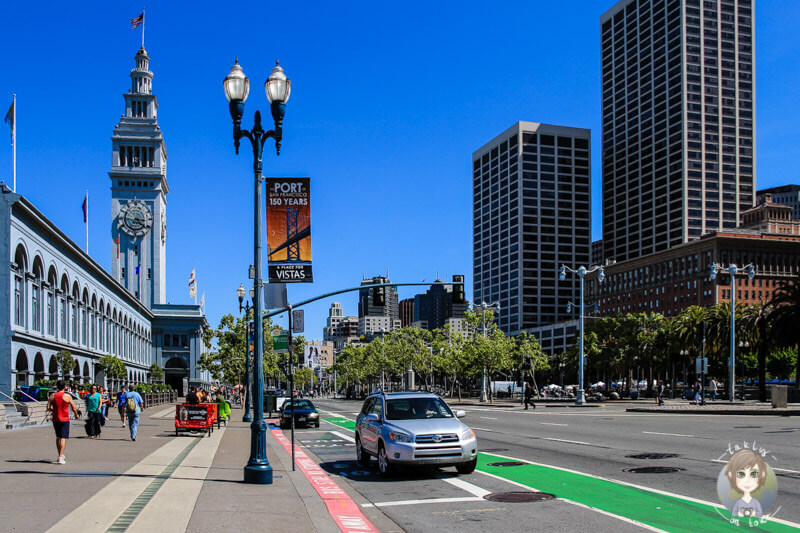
x=573 y=453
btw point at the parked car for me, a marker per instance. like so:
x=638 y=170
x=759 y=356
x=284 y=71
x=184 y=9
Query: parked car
x=413 y=429
x=305 y=414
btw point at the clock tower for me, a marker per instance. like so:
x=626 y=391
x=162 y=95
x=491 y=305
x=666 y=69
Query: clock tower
x=139 y=191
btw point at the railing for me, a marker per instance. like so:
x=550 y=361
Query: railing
x=15 y=401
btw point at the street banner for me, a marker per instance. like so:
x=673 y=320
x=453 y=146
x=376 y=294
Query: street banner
x=280 y=341
x=289 y=230
x=312 y=355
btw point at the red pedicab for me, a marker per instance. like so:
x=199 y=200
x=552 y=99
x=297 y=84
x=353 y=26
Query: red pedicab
x=195 y=417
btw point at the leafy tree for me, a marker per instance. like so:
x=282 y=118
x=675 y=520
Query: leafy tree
x=782 y=363
x=786 y=317
x=112 y=366
x=757 y=328
x=65 y=361
x=227 y=348
x=156 y=372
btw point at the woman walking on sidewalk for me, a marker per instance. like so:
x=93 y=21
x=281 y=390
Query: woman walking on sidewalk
x=94 y=409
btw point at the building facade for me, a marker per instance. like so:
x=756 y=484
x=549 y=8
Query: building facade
x=372 y=318
x=785 y=195
x=59 y=298
x=531 y=214
x=435 y=307
x=406 y=308
x=340 y=329
x=678 y=122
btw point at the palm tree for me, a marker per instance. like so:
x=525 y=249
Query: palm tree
x=756 y=327
x=786 y=317
x=692 y=330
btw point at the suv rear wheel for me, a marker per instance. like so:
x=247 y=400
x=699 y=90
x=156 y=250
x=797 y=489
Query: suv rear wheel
x=361 y=455
x=467 y=468
x=384 y=465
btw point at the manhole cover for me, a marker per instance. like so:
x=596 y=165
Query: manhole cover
x=654 y=469
x=518 y=497
x=508 y=463
x=652 y=456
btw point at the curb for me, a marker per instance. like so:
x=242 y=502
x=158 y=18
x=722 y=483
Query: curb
x=731 y=412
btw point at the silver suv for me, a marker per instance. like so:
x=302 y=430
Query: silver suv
x=412 y=428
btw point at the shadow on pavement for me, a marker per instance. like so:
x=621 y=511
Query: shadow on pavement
x=354 y=471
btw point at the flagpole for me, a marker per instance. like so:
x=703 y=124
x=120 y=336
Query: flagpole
x=87 y=221
x=143 y=23
x=14 y=141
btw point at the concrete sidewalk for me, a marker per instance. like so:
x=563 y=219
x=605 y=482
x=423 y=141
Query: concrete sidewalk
x=161 y=482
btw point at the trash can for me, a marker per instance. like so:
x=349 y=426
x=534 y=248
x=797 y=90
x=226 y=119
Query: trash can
x=780 y=395
x=31 y=394
x=270 y=403
x=44 y=393
x=24 y=392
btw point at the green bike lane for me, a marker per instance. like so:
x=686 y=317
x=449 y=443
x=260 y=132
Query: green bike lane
x=663 y=511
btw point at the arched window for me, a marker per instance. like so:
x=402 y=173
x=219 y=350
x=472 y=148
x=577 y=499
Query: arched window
x=53 y=367
x=52 y=285
x=76 y=298
x=20 y=267
x=22 y=368
x=86 y=374
x=93 y=323
x=36 y=295
x=63 y=317
x=38 y=367
x=85 y=318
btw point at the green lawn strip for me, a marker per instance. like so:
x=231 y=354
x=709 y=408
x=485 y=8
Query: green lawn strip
x=341 y=422
x=658 y=510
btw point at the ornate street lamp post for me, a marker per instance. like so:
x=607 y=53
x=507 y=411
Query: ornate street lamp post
x=240 y=292
x=732 y=270
x=278 y=88
x=581 y=272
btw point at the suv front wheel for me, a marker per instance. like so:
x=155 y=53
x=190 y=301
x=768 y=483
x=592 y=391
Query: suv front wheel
x=467 y=468
x=361 y=455
x=384 y=465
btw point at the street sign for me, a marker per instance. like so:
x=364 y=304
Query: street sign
x=280 y=341
x=298 y=321
x=701 y=365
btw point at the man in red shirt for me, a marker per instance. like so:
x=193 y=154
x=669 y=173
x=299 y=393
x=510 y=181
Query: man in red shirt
x=59 y=405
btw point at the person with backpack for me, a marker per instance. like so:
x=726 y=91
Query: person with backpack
x=134 y=405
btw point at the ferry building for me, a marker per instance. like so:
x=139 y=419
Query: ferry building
x=59 y=298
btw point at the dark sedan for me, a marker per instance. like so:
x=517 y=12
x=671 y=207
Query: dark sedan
x=305 y=414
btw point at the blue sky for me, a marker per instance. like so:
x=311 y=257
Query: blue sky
x=388 y=103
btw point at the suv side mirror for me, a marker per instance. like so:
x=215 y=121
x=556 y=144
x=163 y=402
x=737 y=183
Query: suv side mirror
x=461 y=414
x=373 y=417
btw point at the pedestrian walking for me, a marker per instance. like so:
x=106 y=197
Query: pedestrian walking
x=660 y=393
x=94 y=410
x=712 y=389
x=105 y=401
x=134 y=406
x=529 y=396
x=698 y=392
x=59 y=405
x=121 y=405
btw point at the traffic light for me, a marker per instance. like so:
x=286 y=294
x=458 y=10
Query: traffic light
x=458 y=290
x=379 y=296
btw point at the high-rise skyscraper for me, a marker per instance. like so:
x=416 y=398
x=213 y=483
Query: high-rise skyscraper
x=678 y=121
x=531 y=214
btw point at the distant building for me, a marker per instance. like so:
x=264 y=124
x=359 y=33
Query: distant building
x=785 y=195
x=340 y=329
x=769 y=217
x=531 y=213
x=597 y=252
x=435 y=306
x=369 y=323
x=406 y=312
x=556 y=338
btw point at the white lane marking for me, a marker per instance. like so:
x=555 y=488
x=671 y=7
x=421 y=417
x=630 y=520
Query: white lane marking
x=343 y=436
x=552 y=424
x=569 y=441
x=484 y=429
x=489 y=417
x=417 y=502
x=165 y=413
x=774 y=468
x=668 y=434
x=469 y=487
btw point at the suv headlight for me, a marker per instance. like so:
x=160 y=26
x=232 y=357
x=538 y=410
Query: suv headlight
x=468 y=434
x=313 y=415
x=399 y=437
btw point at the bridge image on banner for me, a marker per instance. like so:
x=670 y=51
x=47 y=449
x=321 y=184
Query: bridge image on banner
x=289 y=230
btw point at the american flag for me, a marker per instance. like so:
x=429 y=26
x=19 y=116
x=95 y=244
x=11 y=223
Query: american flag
x=136 y=21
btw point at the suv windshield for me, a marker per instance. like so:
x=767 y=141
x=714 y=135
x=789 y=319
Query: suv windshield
x=416 y=408
x=299 y=404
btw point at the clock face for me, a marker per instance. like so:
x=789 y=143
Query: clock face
x=135 y=218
